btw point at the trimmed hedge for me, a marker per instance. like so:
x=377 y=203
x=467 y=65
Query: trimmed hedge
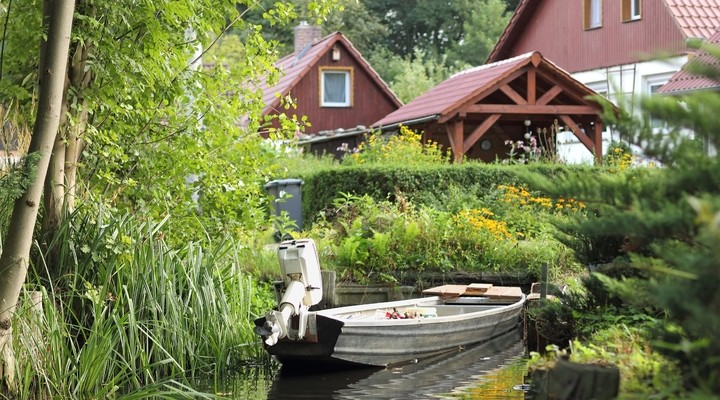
x=420 y=185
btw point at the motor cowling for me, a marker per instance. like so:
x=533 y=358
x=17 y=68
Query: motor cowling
x=300 y=267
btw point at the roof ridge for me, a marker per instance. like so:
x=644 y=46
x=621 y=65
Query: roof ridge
x=491 y=65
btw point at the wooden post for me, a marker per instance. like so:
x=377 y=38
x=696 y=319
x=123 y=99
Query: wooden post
x=328 y=283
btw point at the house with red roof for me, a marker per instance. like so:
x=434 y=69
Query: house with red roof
x=685 y=82
x=516 y=104
x=331 y=84
x=618 y=48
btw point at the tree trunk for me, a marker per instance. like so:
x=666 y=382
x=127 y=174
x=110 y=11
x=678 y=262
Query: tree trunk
x=62 y=173
x=61 y=180
x=16 y=251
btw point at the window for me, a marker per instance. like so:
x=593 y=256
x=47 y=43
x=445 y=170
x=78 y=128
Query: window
x=335 y=87
x=631 y=10
x=593 y=14
x=653 y=84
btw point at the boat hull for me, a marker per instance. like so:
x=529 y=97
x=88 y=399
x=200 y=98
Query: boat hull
x=354 y=336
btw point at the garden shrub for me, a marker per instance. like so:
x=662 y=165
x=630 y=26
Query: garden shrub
x=382 y=240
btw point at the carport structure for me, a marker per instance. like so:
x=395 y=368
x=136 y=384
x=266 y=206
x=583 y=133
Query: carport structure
x=477 y=111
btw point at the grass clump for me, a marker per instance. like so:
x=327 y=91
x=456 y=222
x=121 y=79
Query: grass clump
x=126 y=315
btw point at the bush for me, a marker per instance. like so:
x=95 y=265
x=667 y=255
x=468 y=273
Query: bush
x=382 y=240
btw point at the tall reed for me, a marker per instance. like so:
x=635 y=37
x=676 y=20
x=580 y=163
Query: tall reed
x=124 y=315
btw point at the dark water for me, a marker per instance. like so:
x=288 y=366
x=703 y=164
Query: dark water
x=486 y=371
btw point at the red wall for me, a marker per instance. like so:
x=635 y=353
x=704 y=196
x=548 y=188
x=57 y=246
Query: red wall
x=369 y=105
x=555 y=29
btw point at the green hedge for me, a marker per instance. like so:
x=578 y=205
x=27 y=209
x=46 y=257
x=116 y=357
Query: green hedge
x=420 y=185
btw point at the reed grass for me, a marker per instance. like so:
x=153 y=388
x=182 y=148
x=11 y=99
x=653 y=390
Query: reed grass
x=123 y=315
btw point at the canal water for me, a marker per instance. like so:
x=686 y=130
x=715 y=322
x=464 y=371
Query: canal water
x=485 y=371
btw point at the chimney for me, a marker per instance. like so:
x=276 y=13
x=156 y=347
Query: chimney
x=305 y=35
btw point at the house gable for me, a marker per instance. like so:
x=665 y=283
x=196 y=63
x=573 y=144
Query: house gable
x=557 y=29
x=369 y=97
x=498 y=103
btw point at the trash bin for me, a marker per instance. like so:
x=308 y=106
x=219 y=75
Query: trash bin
x=287 y=197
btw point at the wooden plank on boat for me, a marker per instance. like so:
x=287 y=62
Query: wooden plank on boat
x=446 y=290
x=536 y=296
x=504 y=293
x=476 y=289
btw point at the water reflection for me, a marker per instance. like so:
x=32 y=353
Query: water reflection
x=460 y=374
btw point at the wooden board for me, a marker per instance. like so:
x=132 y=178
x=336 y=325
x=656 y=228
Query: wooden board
x=446 y=290
x=504 y=292
x=478 y=288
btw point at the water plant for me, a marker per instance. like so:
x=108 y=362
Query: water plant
x=128 y=316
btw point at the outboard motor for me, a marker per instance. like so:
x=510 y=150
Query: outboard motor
x=303 y=288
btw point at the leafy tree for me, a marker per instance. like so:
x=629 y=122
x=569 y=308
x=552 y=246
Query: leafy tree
x=662 y=222
x=484 y=26
x=363 y=28
x=352 y=18
x=409 y=77
x=512 y=4
x=145 y=126
x=14 y=260
x=429 y=25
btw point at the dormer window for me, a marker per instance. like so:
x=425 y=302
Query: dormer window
x=631 y=10
x=593 y=14
x=336 y=87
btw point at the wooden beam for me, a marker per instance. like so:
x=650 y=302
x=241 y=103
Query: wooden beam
x=531 y=86
x=529 y=109
x=449 y=114
x=513 y=95
x=535 y=58
x=585 y=139
x=597 y=139
x=549 y=95
x=479 y=132
x=455 y=131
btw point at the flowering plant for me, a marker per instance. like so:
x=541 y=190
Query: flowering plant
x=522 y=152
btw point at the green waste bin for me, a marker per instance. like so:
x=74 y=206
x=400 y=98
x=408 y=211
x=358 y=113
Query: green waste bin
x=287 y=197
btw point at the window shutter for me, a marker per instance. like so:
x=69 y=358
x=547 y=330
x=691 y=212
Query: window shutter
x=626 y=15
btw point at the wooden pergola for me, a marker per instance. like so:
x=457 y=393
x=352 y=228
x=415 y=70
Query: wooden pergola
x=504 y=102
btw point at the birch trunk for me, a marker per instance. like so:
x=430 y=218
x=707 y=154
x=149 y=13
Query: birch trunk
x=16 y=251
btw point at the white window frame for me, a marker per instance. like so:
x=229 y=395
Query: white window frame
x=631 y=10
x=635 y=9
x=348 y=73
x=656 y=81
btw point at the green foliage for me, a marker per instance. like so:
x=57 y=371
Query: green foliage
x=659 y=224
x=382 y=240
x=421 y=24
x=429 y=184
x=15 y=178
x=162 y=135
x=487 y=21
x=131 y=316
x=356 y=22
x=275 y=18
x=413 y=44
x=644 y=373
x=404 y=148
x=409 y=76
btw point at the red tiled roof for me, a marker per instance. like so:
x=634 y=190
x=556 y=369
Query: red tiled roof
x=683 y=81
x=455 y=90
x=295 y=66
x=696 y=18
